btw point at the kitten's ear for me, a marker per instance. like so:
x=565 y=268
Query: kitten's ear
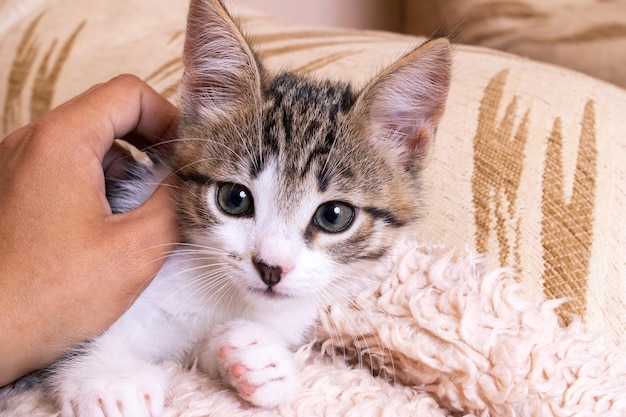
x=404 y=104
x=221 y=71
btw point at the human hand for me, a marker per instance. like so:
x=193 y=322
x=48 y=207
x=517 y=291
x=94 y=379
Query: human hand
x=69 y=267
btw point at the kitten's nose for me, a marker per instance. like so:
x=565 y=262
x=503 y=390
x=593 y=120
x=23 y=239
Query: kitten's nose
x=269 y=274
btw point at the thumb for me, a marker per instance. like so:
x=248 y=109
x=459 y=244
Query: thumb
x=146 y=236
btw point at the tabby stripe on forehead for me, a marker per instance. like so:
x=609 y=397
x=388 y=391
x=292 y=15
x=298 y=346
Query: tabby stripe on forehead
x=384 y=215
x=319 y=152
x=193 y=177
x=322 y=179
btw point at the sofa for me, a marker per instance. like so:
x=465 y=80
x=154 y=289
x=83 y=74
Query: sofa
x=524 y=204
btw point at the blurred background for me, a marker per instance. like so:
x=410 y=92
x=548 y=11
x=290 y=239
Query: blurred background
x=360 y=14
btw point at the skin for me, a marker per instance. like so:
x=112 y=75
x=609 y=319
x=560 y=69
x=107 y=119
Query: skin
x=69 y=267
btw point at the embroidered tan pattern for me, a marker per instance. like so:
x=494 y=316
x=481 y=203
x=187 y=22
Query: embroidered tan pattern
x=292 y=48
x=324 y=61
x=499 y=151
x=16 y=82
x=567 y=227
x=170 y=68
x=46 y=76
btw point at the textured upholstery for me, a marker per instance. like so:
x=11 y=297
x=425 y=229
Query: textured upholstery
x=528 y=165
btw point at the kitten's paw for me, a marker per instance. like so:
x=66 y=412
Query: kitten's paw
x=253 y=363
x=261 y=373
x=135 y=391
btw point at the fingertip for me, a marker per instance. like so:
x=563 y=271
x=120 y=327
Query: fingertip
x=126 y=106
x=127 y=77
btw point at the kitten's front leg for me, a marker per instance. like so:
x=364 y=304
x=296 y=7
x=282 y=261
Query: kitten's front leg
x=250 y=358
x=105 y=380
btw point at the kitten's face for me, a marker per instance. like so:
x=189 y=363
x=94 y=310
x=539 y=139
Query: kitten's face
x=292 y=187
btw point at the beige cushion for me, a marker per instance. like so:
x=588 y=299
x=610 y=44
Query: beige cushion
x=585 y=35
x=528 y=164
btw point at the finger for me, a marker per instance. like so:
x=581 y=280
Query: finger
x=115 y=109
x=16 y=134
x=11 y=141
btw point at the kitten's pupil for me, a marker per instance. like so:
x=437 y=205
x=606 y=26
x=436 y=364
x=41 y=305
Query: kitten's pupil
x=235 y=199
x=333 y=216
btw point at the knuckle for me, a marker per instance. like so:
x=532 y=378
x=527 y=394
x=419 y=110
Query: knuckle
x=127 y=80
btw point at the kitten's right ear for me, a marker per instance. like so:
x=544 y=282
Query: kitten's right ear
x=404 y=103
x=221 y=71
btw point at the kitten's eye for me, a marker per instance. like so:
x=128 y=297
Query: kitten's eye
x=235 y=199
x=334 y=216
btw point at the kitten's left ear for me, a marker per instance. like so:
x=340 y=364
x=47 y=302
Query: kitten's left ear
x=404 y=104
x=221 y=71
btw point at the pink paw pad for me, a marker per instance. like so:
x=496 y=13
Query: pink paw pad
x=238 y=371
x=225 y=352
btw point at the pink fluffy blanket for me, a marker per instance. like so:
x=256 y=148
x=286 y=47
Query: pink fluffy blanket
x=438 y=334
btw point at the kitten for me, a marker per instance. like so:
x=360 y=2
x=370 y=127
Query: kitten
x=288 y=190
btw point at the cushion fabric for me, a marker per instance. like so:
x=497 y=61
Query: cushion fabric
x=528 y=161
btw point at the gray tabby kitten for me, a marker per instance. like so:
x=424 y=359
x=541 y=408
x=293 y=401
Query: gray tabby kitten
x=289 y=190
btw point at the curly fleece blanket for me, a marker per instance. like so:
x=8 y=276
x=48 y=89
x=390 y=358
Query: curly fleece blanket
x=439 y=334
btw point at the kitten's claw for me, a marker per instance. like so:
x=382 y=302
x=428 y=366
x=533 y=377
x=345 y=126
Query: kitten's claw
x=133 y=393
x=116 y=400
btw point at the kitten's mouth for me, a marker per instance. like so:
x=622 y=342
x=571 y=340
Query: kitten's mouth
x=269 y=293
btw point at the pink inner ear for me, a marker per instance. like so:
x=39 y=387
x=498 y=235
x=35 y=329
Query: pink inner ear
x=410 y=130
x=407 y=100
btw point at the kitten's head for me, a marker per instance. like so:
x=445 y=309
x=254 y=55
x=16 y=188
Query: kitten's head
x=289 y=184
